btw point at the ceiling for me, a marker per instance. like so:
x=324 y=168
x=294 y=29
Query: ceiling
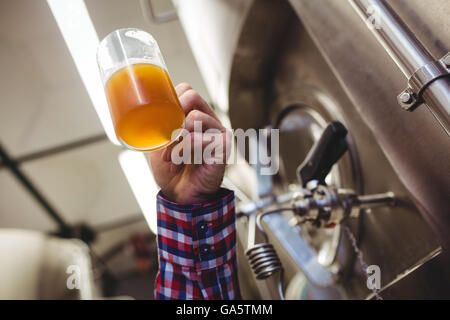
x=45 y=107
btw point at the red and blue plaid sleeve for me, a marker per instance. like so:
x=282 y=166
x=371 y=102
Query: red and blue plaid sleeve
x=197 y=250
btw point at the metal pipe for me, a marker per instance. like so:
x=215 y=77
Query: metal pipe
x=376 y=200
x=58 y=149
x=407 y=52
x=64 y=228
x=438 y=94
x=401 y=44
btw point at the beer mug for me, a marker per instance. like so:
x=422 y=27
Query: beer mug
x=144 y=105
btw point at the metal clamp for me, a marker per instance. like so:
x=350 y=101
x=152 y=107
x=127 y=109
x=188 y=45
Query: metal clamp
x=411 y=97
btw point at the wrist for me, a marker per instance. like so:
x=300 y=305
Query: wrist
x=188 y=198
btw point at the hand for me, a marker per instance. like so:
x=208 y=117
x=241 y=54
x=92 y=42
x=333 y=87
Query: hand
x=191 y=183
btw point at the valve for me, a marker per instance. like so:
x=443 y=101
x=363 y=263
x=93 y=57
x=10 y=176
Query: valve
x=327 y=206
x=322 y=205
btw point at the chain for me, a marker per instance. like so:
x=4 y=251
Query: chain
x=360 y=256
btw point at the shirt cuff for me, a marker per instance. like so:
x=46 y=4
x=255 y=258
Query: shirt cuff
x=199 y=236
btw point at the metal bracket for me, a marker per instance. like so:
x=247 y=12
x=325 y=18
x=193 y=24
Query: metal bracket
x=411 y=97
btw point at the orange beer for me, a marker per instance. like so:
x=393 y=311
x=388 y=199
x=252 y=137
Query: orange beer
x=144 y=106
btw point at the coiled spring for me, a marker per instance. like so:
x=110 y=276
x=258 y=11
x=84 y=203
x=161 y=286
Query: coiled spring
x=263 y=258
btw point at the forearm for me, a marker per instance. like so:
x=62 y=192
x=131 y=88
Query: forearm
x=197 y=249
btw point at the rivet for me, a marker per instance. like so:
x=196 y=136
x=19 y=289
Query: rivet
x=406 y=98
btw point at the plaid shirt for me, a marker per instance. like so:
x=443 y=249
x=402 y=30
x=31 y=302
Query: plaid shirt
x=197 y=250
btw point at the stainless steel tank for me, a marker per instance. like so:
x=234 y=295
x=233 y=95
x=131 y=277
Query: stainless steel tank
x=297 y=65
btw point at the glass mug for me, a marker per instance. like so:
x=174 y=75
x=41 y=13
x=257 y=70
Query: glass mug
x=142 y=100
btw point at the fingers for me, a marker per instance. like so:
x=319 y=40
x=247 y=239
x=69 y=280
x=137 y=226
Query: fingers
x=198 y=115
x=167 y=151
x=200 y=148
x=213 y=138
x=197 y=119
x=191 y=100
x=182 y=88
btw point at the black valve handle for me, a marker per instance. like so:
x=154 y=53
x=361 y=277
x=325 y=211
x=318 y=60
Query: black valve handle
x=324 y=154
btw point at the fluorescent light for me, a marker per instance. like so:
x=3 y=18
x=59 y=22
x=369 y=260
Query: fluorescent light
x=201 y=40
x=140 y=178
x=81 y=38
